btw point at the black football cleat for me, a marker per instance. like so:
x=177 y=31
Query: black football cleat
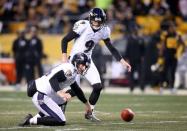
x=26 y=120
x=91 y=116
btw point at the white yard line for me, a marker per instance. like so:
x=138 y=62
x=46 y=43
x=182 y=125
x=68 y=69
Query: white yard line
x=43 y=127
x=14 y=99
x=108 y=123
x=17 y=127
x=12 y=113
x=71 y=129
x=153 y=122
x=108 y=90
x=26 y=100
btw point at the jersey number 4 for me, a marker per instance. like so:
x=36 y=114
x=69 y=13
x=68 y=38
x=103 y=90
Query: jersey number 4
x=89 y=45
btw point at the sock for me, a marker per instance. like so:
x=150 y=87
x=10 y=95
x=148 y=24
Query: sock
x=37 y=116
x=33 y=121
x=92 y=107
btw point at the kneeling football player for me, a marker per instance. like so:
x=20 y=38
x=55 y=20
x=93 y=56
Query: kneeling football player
x=47 y=91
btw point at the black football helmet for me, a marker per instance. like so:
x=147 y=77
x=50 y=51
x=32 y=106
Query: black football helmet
x=97 y=15
x=81 y=58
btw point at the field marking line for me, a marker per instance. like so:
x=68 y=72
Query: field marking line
x=77 y=129
x=122 y=123
x=14 y=99
x=71 y=129
x=27 y=100
x=70 y=112
x=43 y=127
x=17 y=127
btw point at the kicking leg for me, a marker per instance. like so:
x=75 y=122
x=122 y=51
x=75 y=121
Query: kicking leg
x=95 y=94
x=97 y=87
x=93 y=100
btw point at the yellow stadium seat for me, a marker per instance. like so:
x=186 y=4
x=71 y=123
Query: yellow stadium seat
x=15 y=26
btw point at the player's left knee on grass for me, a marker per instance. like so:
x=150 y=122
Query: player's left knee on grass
x=95 y=93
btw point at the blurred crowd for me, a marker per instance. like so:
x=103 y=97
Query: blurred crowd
x=56 y=16
x=153 y=32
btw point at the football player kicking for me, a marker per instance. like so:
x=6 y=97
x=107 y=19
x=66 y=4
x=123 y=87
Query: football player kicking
x=47 y=92
x=86 y=34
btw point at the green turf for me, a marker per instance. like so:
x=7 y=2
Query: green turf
x=153 y=113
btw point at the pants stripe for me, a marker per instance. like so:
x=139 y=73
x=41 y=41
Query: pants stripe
x=46 y=108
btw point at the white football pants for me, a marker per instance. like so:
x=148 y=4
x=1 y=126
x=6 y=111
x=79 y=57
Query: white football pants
x=48 y=106
x=92 y=75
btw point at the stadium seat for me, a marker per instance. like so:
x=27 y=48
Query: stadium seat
x=15 y=26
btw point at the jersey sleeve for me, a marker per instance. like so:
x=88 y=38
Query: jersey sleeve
x=79 y=26
x=106 y=33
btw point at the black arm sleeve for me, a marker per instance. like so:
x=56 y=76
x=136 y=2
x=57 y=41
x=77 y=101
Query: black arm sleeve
x=78 y=91
x=54 y=81
x=112 y=49
x=64 y=43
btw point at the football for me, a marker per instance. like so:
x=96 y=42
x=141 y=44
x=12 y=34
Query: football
x=127 y=114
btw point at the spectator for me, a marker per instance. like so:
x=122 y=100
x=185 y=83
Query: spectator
x=19 y=49
x=134 y=54
x=32 y=19
x=34 y=55
x=158 y=8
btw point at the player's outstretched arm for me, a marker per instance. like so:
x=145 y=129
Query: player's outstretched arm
x=80 y=94
x=116 y=54
x=64 y=44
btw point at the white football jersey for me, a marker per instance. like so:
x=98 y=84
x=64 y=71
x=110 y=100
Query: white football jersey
x=88 y=38
x=43 y=85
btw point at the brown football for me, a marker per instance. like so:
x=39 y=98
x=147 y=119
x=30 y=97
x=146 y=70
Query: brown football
x=127 y=114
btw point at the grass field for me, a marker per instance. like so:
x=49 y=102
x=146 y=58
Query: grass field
x=153 y=113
